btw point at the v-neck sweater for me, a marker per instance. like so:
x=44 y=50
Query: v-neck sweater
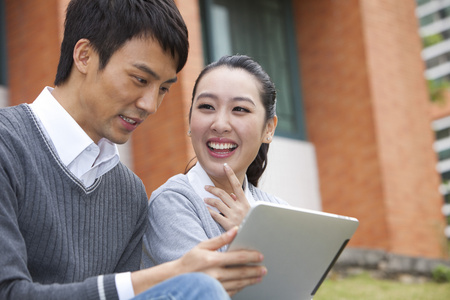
x=61 y=240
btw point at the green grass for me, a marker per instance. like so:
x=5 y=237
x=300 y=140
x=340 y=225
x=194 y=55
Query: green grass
x=363 y=286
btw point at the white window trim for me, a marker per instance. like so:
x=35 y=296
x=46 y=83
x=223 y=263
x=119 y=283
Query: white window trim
x=3 y=96
x=431 y=7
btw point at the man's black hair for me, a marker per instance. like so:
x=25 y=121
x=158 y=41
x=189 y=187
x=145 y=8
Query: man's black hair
x=109 y=24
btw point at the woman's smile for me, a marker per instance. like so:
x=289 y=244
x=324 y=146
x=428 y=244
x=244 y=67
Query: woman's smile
x=221 y=149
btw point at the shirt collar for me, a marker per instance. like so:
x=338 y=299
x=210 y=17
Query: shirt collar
x=198 y=178
x=68 y=138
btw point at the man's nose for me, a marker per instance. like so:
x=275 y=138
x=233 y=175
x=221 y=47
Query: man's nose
x=149 y=102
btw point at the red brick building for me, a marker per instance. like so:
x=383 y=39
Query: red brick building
x=356 y=85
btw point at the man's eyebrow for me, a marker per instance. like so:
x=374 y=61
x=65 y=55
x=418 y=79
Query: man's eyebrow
x=152 y=73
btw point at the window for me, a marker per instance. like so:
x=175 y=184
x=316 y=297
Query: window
x=436 y=16
x=264 y=30
x=444 y=13
x=422 y=2
x=447 y=199
x=442 y=133
x=438 y=60
x=443 y=155
x=424 y=21
x=446 y=177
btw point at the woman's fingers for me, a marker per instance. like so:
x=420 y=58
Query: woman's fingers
x=219 y=241
x=221 y=194
x=221 y=219
x=233 y=207
x=235 y=183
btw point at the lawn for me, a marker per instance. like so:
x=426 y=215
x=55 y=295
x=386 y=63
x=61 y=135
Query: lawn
x=363 y=286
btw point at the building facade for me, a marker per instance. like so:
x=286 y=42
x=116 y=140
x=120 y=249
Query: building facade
x=354 y=136
x=434 y=21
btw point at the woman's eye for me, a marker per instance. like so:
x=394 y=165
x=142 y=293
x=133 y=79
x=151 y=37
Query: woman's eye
x=205 y=106
x=241 y=109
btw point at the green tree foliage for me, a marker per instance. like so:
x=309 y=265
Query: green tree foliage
x=432 y=40
x=437 y=90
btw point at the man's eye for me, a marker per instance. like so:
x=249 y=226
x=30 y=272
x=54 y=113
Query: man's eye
x=141 y=80
x=164 y=90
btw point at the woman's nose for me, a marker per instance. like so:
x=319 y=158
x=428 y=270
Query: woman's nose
x=221 y=124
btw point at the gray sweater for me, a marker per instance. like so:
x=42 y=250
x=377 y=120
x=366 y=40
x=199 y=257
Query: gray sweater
x=179 y=220
x=57 y=236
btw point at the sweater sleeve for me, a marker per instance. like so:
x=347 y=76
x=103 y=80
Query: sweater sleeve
x=178 y=221
x=15 y=279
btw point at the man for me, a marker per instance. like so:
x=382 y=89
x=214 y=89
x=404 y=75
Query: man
x=71 y=215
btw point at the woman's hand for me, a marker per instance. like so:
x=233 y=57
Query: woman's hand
x=233 y=207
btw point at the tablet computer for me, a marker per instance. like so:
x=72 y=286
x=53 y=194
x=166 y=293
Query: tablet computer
x=300 y=247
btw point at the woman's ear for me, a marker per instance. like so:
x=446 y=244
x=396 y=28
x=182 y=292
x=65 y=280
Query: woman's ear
x=81 y=55
x=270 y=130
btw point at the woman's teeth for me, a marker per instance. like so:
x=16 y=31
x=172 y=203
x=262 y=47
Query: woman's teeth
x=221 y=146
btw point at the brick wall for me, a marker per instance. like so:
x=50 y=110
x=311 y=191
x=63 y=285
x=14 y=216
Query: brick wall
x=33 y=31
x=366 y=113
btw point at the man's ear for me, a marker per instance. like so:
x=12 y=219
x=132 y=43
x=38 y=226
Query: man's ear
x=81 y=55
x=270 y=130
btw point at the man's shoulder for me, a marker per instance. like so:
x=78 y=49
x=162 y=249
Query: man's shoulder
x=16 y=126
x=14 y=111
x=15 y=118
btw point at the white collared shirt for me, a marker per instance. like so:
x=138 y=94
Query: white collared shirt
x=86 y=160
x=198 y=178
x=78 y=152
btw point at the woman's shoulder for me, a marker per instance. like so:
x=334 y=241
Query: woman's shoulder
x=175 y=188
x=177 y=194
x=261 y=195
x=177 y=183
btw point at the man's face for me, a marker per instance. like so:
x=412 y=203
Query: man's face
x=115 y=100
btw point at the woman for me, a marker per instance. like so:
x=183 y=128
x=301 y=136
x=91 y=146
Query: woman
x=232 y=121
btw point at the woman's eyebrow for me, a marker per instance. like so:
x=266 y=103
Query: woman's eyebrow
x=207 y=95
x=237 y=99
x=245 y=99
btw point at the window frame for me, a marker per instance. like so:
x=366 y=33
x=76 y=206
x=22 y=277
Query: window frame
x=294 y=66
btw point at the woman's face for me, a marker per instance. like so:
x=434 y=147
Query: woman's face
x=228 y=121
